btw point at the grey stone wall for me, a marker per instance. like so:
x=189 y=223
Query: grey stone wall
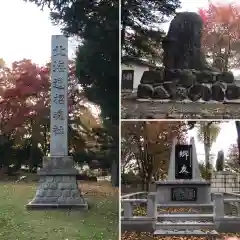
x=225 y=182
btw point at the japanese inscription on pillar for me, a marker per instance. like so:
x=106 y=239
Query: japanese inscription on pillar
x=183 y=161
x=59 y=96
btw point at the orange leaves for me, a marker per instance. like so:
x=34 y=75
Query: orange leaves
x=24 y=88
x=10 y=93
x=221 y=31
x=220 y=13
x=152 y=138
x=25 y=103
x=203 y=15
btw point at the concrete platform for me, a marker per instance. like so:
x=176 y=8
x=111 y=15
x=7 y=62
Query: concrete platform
x=133 y=108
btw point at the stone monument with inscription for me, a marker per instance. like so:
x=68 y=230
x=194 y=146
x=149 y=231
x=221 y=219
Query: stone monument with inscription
x=186 y=74
x=58 y=187
x=183 y=183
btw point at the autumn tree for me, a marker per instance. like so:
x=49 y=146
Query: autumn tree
x=25 y=110
x=150 y=143
x=221 y=34
x=237 y=124
x=232 y=161
x=96 y=23
x=207 y=133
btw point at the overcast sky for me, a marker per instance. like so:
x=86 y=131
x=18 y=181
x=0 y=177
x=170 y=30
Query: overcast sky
x=26 y=30
x=226 y=137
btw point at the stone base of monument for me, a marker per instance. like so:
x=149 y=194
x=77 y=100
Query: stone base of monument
x=179 y=191
x=188 y=85
x=58 y=188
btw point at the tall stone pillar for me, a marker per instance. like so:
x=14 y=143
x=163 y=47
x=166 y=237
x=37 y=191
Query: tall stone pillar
x=58 y=185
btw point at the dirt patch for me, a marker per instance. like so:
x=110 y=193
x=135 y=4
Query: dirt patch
x=103 y=188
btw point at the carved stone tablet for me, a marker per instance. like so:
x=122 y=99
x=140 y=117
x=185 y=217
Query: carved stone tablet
x=184 y=194
x=183 y=161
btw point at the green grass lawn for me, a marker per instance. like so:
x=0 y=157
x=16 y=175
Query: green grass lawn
x=17 y=223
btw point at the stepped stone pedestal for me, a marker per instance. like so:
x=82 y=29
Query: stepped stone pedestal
x=58 y=186
x=185 y=189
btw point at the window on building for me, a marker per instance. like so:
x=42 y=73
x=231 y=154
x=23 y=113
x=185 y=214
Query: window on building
x=127 y=79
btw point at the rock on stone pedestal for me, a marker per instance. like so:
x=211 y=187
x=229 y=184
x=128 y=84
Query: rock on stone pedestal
x=151 y=77
x=226 y=77
x=232 y=92
x=206 y=93
x=218 y=93
x=160 y=93
x=145 y=91
x=205 y=76
x=187 y=78
x=181 y=93
x=195 y=92
x=58 y=186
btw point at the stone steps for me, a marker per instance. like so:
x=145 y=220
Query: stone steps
x=184 y=225
x=184 y=205
x=182 y=217
x=195 y=233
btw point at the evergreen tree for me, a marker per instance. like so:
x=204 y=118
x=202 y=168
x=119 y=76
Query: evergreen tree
x=141 y=33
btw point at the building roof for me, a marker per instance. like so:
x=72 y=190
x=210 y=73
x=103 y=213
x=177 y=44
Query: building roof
x=128 y=60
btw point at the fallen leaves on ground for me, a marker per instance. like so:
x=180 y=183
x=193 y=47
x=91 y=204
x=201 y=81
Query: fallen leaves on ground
x=141 y=210
x=100 y=222
x=101 y=189
x=149 y=236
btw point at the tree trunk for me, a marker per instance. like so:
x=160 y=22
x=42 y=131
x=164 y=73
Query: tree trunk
x=206 y=149
x=45 y=144
x=237 y=123
x=115 y=174
x=207 y=144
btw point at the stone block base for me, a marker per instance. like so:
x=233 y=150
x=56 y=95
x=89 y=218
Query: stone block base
x=57 y=188
x=164 y=190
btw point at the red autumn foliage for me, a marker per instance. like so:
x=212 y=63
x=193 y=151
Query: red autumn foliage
x=25 y=93
x=221 y=32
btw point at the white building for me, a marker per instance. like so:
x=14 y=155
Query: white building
x=132 y=70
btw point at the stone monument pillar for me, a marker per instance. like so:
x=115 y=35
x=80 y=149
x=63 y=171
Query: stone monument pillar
x=184 y=183
x=58 y=186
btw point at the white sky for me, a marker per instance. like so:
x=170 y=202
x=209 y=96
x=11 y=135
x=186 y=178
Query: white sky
x=26 y=32
x=226 y=137
x=195 y=5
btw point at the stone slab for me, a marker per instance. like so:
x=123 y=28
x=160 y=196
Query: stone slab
x=185 y=233
x=184 y=205
x=33 y=206
x=164 y=192
x=184 y=182
x=138 y=224
x=58 y=172
x=53 y=163
x=190 y=216
x=133 y=109
x=185 y=225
